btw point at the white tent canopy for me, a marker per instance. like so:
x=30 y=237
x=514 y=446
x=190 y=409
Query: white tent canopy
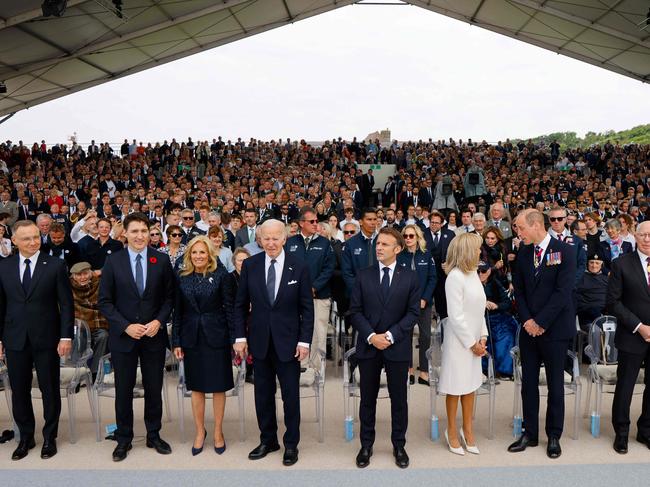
x=43 y=58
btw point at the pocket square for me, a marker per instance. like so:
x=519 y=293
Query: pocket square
x=292 y=282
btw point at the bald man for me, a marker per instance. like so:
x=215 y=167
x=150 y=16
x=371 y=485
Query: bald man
x=543 y=283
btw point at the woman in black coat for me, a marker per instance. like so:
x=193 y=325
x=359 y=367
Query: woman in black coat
x=201 y=336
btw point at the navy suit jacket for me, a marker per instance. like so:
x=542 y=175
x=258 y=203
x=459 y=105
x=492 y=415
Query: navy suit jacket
x=547 y=297
x=439 y=253
x=320 y=259
x=369 y=313
x=45 y=313
x=213 y=316
x=287 y=321
x=425 y=267
x=121 y=304
x=355 y=257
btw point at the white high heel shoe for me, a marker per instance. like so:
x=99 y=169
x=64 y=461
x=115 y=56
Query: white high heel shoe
x=472 y=449
x=457 y=451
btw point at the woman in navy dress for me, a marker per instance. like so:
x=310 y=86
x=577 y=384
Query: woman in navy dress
x=201 y=337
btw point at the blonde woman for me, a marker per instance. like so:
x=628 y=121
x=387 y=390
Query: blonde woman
x=200 y=335
x=465 y=338
x=416 y=257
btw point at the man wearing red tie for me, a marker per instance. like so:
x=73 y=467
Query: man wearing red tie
x=543 y=281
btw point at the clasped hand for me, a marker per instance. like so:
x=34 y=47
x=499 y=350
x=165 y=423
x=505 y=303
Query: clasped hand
x=138 y=330
x=479 y=348
x=532 y=328
x=380 y=341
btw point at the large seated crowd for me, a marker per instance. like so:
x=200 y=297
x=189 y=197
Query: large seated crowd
x=592 y=198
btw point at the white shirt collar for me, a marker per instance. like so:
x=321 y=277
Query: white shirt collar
x=32 y=260
x=279 y=260
x=544 y=243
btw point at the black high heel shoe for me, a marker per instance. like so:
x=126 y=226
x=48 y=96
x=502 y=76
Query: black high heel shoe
x=196 y=451
x=220 y=449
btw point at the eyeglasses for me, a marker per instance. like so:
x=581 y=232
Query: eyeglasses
x=175 y=235
x=483 y=271
x=311 y=221
x=348 y=232
x=188 y=218
x=154 y=234
x=643 y=236
x=409 y=235
x=556 y=218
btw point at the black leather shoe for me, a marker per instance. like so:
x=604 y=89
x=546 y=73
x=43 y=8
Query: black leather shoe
x=422 y=381
x=262 y=450
x=160 y=445
x=401 y=458
x=120 y=451
x=620 y=444
x=522 y=443
x=553 y=449
x=49 y=449
x=411 y=379
x=642 y=439
x=24 y=446
x=290 y=456
x=363 y=457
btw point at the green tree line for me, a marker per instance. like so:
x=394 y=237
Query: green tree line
x=636 y=135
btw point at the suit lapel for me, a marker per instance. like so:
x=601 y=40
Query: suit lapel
x=287 y=272
x=397 y=276
x=38 y=271
x=152 y=263
x=638 y=270
x=126 y=259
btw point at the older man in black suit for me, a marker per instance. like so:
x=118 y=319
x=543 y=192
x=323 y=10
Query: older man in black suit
x=136 y=296
x=276 y=290
x=36 y=328
x=384 y=307
x=628 y=298
x=543 y=280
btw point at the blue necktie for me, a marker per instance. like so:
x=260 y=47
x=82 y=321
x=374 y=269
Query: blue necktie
x=27 y=276
x=139 y=274
x=270 y=282
x=385 y=283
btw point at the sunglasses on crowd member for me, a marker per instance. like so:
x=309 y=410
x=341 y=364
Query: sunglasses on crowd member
x=188 y=218
x=175 y=235
x=409 y=235
x=311 y=221
x=348 y=232
x=556 y=218
x=155 y=234
x=483 y=270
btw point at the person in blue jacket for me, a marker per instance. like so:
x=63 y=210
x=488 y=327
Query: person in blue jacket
x=416 y=257
x=359 y=252
x=317 y=253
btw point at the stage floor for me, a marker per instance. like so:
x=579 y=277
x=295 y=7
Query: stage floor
x=335 y=457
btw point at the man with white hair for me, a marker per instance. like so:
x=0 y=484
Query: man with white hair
x=274 y=303
x=497 y=213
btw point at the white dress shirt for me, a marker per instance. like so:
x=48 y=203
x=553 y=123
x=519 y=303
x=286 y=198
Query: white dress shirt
x=389 y=335
x=543 y=245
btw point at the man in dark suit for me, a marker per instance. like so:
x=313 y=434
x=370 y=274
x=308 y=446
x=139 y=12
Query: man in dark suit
x=61 y=247
x=246 y=234
x=36 y=328
x=276 y=291
x=628 y=298
x=438 y=240
x=543 y=281
x=136 y=296
x=384 y=307
x=190 y=230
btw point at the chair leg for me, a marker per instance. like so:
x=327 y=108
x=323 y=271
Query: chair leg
x=321 y=414
x=89 y=391
x=98 y=418
x=181 y=413
x=576 y=409
x=588 y=399
x=491 y=412
x=242 y=425
x=71 y=414
x=165 y=392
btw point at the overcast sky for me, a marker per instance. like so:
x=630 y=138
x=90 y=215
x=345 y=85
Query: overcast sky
x=348 y=73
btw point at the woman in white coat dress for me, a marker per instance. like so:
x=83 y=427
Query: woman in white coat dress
x=465 y=337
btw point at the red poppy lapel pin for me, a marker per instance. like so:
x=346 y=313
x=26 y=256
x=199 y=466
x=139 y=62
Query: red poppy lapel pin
x=153 y=260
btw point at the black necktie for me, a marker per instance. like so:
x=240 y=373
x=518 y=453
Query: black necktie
x=27 y=276
x=436 y=239
x=270 y=282
x=369 y=244
x=385 y=283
